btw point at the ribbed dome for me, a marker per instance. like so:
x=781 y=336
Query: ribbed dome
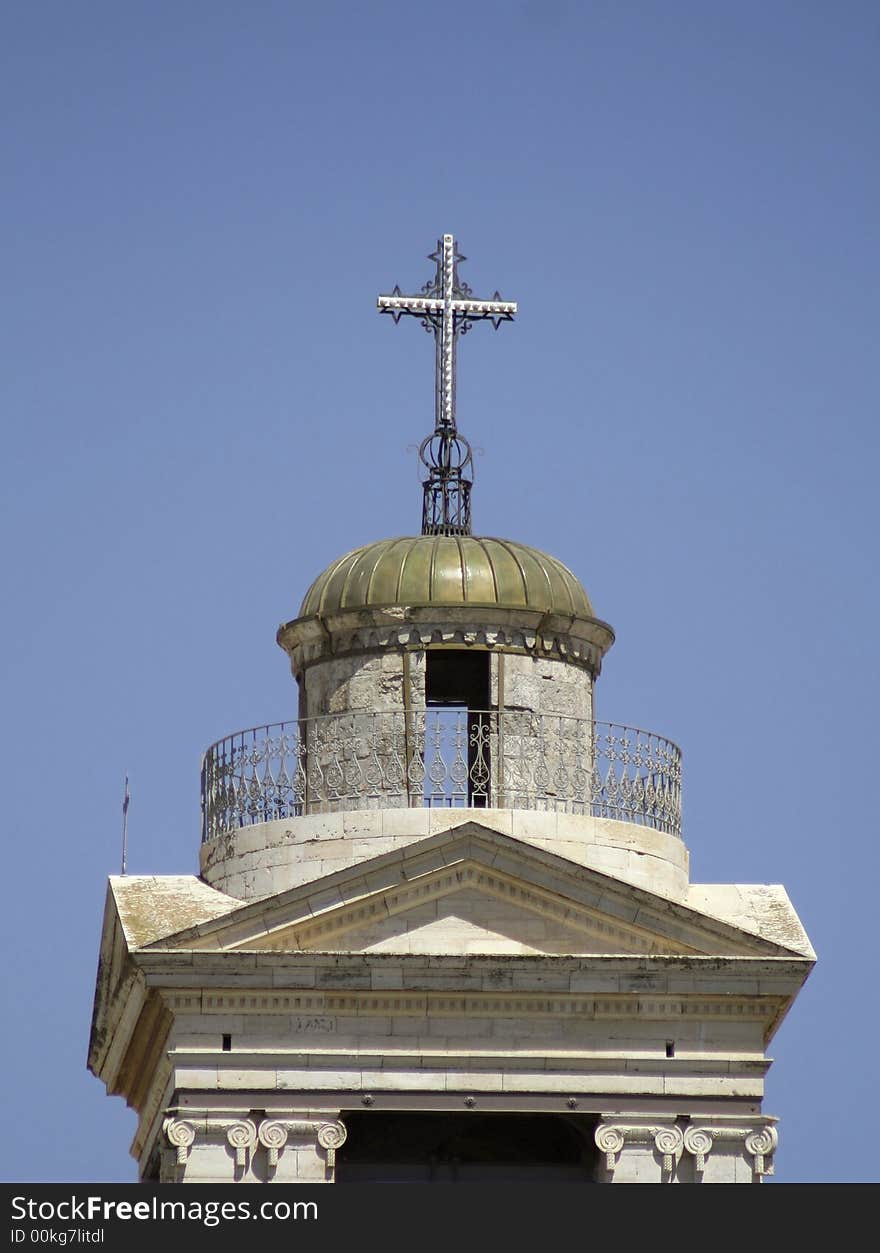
x=447 y=570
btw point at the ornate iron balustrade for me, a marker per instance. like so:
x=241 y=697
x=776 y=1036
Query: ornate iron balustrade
x=512 y=759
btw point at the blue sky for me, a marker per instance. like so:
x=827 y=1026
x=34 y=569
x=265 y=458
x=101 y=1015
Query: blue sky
x=201 y=408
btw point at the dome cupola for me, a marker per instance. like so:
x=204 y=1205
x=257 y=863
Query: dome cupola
x=447 y=570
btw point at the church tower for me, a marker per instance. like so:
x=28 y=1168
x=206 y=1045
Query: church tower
x=443 y=927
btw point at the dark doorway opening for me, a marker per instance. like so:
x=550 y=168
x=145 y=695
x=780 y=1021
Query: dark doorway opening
x=417 y=1147
x=457 y=691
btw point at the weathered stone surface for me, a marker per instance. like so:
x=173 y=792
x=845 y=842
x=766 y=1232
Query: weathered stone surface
x=297 y=850
x=438 y=958
x=150 y=906
x=480 y=996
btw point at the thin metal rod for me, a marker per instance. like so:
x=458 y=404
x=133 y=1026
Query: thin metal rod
x=126 y=798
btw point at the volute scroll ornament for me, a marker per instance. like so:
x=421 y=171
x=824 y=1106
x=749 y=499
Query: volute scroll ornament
x=332 y=1136
x=273 y=1137
x=609 y=1140
x=698 y=1141
x=181 y=1136
x=669 y=1141
x=242 y=1136
x=762 y=1144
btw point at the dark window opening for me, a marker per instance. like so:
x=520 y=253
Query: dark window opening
x=411 y=1147
x=227 y=1043
x=457 y=676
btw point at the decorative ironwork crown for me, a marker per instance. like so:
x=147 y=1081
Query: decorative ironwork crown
x=446 y=306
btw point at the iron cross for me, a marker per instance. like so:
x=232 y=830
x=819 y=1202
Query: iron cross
x=447 y=307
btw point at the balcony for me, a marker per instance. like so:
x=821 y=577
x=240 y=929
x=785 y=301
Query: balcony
x=389 y=759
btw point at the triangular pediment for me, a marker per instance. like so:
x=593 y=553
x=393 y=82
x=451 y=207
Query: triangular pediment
x=469 y=891
x=469 y=907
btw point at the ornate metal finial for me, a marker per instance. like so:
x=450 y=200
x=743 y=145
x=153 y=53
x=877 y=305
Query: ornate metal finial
x=447 y=307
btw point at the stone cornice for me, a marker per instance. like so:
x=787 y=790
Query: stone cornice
x=315 y=932
x=313 y=1005
x=311 y=982
x=145 y=1050
x=648 y=973
x=493 y=850
x=120 y=993
x=112 y=1034
x=149 y=1122
x=581 y=641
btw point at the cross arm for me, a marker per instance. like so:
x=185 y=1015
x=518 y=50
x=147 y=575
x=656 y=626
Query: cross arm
x=496 y=311
x=420 y=306
x=414 y=306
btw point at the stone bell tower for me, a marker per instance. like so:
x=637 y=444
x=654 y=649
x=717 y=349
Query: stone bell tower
x=444 y=927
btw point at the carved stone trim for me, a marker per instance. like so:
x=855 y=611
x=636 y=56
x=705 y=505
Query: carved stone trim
x=698 y=1142
x=180 y=1135
x=669 y=1141
x=242 y=1136
x=249 y=1135
x=581 y=641
x=273 y=1137
x=610 y=1141
x=599 y=1005
x=332 y=1136
x=760 y=1143
x=495 y=884
x=611 y=1138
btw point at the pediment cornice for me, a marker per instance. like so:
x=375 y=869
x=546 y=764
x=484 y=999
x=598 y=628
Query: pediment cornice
x=607 y=914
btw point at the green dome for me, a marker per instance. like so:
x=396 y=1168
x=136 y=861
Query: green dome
x=447 y=570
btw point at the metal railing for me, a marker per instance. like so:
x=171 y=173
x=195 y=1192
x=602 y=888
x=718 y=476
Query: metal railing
x=509 y=759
